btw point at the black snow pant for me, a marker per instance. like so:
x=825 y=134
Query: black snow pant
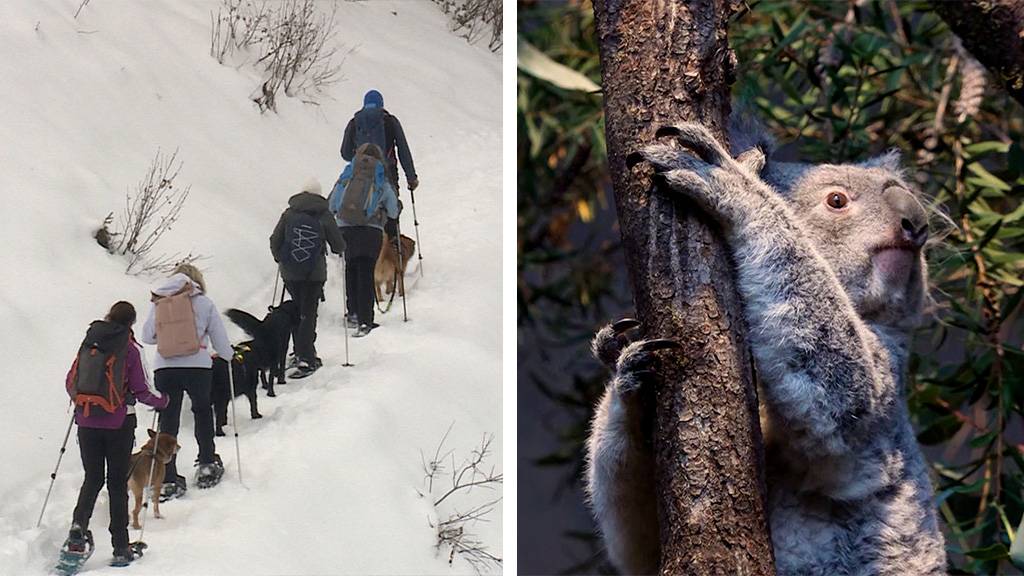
x=174 y=382
x=306 y=295
x=112 y=448
x=362 y=248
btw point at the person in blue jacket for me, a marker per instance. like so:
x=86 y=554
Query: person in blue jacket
x=363 y=241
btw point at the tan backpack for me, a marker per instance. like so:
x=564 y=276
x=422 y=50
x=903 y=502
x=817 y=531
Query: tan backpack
x=176 y=324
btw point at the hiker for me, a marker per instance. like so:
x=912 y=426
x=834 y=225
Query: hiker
x=299 y=246
x=361 y=200
x=375 y=125
x=105 y=413
x=182 y=322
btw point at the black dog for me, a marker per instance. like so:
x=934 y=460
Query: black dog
x=268 y=349
x=220 y=393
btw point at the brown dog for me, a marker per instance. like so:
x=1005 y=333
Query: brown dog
x=142 y=464
x=388 y=263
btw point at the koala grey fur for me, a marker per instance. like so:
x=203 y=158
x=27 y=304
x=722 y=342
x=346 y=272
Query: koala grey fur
x=830 y=296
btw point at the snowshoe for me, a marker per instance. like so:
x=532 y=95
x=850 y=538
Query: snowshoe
x=209 y=474
x=125 y=556
x=303 y=369
x=75 y=552
x=365 y=329
x=173 y=490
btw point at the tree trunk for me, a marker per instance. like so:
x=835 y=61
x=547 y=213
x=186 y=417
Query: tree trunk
x=664 y=61
x=993 y=32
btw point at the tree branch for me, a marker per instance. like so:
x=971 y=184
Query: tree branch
x=663 y=62
x=993 y=32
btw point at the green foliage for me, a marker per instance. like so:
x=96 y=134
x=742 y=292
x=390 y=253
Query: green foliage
x=836 y=82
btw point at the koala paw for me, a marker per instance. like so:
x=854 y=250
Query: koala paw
x=700 y=168
x=634 y=363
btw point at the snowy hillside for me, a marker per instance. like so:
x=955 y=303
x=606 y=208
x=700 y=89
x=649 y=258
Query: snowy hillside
x=332 y=470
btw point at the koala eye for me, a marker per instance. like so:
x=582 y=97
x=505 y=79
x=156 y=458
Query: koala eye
x=837 y=200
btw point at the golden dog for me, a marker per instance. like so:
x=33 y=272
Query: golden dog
x=142 y=463
x=388 y=263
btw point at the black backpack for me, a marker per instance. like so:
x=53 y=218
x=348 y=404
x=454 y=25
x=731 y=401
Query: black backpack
x=370 y=128
x=98 y=376
x=303 y=243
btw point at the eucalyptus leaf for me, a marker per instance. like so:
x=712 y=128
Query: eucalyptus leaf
x=537 y=64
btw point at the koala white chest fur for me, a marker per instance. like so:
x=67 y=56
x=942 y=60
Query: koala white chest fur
x=830 y=268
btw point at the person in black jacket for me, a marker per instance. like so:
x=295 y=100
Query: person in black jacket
x=376 y=125
x=302 y=260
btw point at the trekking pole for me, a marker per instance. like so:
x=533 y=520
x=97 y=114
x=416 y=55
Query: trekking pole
x=284 y=288
x=53 y=476
x=234 y=421
x=416 y=225
x=401 y=266
x=138 y=546
x=344 y=299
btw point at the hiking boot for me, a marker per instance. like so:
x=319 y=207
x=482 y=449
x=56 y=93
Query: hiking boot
x=365 y=329
x=303 y=369
x=79 y=539
x=209 y=474
x=292 y=362
x=173 y=490
x=351 y=322
x=123 y=557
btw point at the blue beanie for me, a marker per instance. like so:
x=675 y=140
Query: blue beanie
x=373 y=99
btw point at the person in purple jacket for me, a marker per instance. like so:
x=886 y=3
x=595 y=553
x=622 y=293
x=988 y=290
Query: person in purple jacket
x=106 y=438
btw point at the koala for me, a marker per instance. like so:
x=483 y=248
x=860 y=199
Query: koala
x=830 y=268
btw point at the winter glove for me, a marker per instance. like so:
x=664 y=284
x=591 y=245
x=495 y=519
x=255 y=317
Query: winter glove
x=413 y=184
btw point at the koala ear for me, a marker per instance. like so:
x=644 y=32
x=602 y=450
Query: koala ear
x=889 y=160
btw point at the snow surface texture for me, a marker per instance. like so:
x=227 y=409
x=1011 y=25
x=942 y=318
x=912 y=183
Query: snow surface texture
x=332 y=469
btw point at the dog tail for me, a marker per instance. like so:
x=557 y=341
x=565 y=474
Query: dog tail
x=245 y=321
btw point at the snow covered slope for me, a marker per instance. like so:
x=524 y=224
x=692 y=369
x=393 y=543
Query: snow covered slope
x=331 y=471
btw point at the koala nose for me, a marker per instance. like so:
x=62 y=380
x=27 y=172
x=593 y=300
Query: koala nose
x=913 y=219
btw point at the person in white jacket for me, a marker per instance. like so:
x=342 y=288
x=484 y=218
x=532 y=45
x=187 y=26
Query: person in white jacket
x=192 y=374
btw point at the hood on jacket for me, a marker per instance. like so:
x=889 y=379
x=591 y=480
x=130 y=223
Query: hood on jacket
x=312 y=186
x=174 y=284
x=373 y=99
x=308 y=202
x=107 y=336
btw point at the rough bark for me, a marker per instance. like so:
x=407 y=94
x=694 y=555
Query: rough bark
x=664 y=61
x=993 y=32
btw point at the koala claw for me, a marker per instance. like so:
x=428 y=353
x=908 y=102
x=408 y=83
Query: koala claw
x=607 y=344
x=696 y=138
x=625 y=324
x=660 y=344
x=636 y=365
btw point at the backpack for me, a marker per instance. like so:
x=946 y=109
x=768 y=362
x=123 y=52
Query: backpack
x=303 y=243
x=98 y=376
x=176 y=324
x=370 y=128
x=358 y=193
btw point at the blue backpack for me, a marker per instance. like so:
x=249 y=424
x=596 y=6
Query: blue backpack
x=370 y=128
x=303 y=243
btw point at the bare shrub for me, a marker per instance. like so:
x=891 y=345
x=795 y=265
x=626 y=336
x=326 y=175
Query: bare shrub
x=151 y=208
x=104 y=237
x=453 y=533
x=474 y=19
x=291 y=42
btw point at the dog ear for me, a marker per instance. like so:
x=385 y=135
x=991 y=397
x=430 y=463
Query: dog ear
x=151 y=433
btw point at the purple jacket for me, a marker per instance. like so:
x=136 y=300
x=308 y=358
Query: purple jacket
x=138 y=383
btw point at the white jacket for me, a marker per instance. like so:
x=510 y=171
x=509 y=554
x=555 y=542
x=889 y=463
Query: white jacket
x=209 y=327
